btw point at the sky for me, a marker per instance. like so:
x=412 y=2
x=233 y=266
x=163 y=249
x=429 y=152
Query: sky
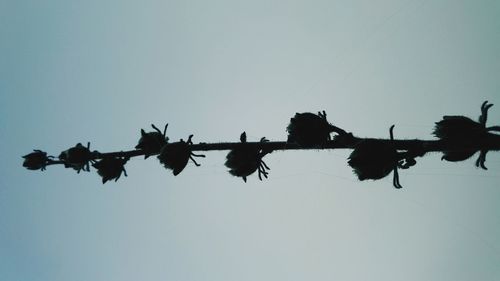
x=99 y=71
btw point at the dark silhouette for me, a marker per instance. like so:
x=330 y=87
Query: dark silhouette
x=311 y=130
x=110 y=168
x=462 y=134
x=77 y=157
x=245 y=159
x=459 y=138
x=151 y=143
x=373 y=159
x=175 y=156
x=36 y=160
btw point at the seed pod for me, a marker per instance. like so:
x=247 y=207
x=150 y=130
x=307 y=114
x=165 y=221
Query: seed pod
x=244 y=160
x=458 y=129
x=372 y=159
x=36 y=160
x=465 y=135
x=175 y=156
x=311 y=130
x=152 y=142
x=375 y=159
x=111 y=168
x=77 y=157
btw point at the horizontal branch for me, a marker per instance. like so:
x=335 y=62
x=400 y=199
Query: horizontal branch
x=492 y=144
x=459 y=138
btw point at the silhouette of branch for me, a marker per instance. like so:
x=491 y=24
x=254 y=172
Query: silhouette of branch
x=492 y=144
x=459 y=138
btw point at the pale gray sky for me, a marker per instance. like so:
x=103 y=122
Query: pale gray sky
x=78 y=71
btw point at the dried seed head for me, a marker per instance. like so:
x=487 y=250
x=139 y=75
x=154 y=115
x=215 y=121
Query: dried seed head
x=373 y=159
x=111 y=168
x=77 y=157
x=175 y=156
x=308 y=129
x=152 y=142
x=311 y=130
x=464 y=135
x=36 y=160
x=459 y=129
x=245 y=159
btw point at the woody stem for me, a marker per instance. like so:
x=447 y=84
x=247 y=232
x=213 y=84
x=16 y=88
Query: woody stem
x=490 y=143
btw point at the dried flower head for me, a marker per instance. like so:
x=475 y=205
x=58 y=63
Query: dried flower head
x=462 y=132
x=77 y=157
x=110 y=168
x=175 y=156
x=36 y=160
x=375 y=159
x=244 y=160
x=310 y=130
x=152 y=142
x=458 y=129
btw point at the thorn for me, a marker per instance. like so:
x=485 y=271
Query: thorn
x=391 y=132
x=194 y=161
x=156 y=129
x=165 y=130
x=395 y=180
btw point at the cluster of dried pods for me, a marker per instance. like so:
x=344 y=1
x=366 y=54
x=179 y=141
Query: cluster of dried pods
x=459 y=138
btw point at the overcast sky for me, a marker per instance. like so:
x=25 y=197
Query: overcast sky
x=99 y=71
